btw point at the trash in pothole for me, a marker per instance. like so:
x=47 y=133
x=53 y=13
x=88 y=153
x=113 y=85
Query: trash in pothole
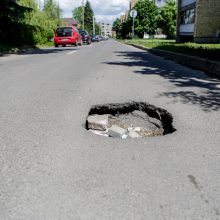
x=129 y=120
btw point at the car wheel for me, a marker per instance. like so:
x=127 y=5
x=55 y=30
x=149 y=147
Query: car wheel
x=56 y=45
x=63 y=45
x=76 y=44
x=81 y=43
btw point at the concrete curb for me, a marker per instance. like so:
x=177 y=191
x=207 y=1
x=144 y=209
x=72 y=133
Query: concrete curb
x=208 y=66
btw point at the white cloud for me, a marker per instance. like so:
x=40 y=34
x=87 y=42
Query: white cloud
x=104 y=10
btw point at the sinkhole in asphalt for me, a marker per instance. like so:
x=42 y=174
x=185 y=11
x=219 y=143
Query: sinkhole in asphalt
x=129 y=120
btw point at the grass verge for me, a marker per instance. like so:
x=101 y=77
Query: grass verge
x=207 y=51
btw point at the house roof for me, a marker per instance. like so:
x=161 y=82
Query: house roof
x=69 y=22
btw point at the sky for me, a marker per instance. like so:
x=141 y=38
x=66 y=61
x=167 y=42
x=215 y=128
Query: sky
x=105 y=10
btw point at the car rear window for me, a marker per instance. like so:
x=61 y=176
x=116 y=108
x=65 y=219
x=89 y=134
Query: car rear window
x=83 y=33
x=64 y=32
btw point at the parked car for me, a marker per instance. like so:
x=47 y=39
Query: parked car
x=67 y=35
x=85 y=36
x=94 y=38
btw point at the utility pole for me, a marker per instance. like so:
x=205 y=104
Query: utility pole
x=93 y=25
x=83 y=17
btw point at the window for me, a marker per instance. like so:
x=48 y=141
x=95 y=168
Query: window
x=188 y=16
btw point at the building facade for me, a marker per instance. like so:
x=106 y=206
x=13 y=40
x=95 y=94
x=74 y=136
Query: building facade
x=198 y=21
x=106 y=29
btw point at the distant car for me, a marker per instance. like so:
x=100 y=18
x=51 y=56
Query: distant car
x=85 y=36
x=67 y=36
x=99 y=37
x=94 y=38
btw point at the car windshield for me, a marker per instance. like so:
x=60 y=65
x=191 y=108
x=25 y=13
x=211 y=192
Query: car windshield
x=64 y=32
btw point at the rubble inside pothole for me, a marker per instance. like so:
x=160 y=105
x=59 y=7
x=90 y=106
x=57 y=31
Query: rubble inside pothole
x=129 y=120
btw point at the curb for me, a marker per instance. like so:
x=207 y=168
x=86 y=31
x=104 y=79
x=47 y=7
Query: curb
x=208 y=66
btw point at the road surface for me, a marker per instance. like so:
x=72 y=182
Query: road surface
x=52 y=168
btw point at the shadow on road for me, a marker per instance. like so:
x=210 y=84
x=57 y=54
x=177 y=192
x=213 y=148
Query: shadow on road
x=42 y=51
x=183 y=78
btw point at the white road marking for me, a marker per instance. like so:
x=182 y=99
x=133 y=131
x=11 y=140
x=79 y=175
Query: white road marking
x=72 y=52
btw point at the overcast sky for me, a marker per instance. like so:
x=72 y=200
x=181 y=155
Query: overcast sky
x=105 y=10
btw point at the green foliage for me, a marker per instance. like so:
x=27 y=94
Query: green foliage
x=88 y=17
x=146 y=20
x=12 y=27
x=167 y=19
x=149 y=18
x=77 y=14
x=52 y=10
x=22 y=23
x=117 y=27
x=208 y=51
x=97 y=29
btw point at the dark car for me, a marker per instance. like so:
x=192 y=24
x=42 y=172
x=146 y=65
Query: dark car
x=94 y=38
x=85 y=36
x=67 y=35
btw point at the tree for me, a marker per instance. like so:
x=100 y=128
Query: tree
x=77 y=14
x=167 y=19
x=88 y=17
x=52 y=9
x=12 y=22
x=43 y=22
x=117 y=27
x=146 y=20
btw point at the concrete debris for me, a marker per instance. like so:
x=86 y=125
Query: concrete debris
x=101 y=133
x=116 y=131
x=98 y=122
x=133 y=134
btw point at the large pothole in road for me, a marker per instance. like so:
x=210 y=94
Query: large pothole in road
x=129 y=120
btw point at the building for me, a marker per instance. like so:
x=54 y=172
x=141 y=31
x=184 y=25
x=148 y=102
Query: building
x=198 y=21
x=106 y=29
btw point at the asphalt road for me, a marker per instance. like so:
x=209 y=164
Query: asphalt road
x=52 y=168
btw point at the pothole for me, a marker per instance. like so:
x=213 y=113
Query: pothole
x=129 y=120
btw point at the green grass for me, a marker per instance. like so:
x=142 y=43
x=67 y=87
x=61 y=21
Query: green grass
x=208 y=51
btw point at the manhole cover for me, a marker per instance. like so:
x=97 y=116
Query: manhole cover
x=129 y=120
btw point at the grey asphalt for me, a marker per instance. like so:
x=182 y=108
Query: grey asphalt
x=52 y=168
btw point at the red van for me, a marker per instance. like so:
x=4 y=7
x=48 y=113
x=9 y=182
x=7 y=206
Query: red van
x=67 y=35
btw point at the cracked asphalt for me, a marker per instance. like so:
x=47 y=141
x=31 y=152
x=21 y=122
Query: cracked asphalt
x=52 y=168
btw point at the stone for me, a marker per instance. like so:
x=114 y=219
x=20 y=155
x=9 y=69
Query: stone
x=137 y=129
x=133 y=134
x=98 y=122
x=101 y=133
x=116 y=131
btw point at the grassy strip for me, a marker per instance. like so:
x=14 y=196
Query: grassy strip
x=208 y=51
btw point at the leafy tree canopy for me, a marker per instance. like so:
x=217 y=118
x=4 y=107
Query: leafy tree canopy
x=11 y=21
x=167 y=19
x=146 y=20
x=52 y=9
x=77 y=14
x=88 y=17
